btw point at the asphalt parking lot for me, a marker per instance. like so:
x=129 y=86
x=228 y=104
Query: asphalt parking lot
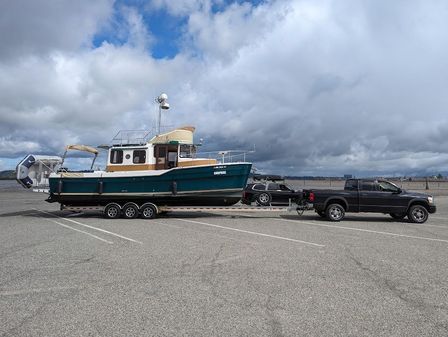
x=196 y=274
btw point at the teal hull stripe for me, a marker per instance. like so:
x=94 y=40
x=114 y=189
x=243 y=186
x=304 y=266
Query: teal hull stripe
x=187 y=180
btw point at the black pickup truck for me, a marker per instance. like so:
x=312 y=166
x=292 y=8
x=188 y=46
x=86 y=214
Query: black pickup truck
x=370 y=195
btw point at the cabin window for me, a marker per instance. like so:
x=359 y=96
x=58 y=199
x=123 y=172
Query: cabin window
x=139 y=157
x=116 y=156
x=187 y=151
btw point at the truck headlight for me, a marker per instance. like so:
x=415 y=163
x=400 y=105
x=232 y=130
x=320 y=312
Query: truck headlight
x=430 y=200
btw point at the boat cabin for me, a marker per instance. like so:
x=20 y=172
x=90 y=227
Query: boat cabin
x=162 y=152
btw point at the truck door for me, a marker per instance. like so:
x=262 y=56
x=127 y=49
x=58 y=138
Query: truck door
x=387 y=198
x=367 y=196
x=383 y=198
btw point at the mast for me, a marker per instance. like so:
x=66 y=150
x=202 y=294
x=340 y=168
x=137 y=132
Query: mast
x=163 y=104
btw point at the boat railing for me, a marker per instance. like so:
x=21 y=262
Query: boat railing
x=228 y=156
x=137 y=137
x=127 y=137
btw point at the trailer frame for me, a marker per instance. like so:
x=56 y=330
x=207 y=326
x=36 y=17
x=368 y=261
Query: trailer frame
x=299 y=208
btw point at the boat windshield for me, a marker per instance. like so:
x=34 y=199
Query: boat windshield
x=187 y=151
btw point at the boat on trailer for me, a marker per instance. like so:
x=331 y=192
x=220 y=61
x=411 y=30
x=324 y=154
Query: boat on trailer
x=162 y=171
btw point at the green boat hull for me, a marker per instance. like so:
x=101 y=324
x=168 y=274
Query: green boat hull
x=215 y=185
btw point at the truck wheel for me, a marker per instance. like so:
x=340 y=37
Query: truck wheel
x=148 y=211
x=112 y=211
x=418 y=214
x=130 y=211
x=335 y=212
x=398 y=216
x=264 y=199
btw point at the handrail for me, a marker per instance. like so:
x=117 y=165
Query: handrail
x=227 y=156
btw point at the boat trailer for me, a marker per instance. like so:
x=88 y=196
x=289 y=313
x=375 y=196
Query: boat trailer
x=149 y=210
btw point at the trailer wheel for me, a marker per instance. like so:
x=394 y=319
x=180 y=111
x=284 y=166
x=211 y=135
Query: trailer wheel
x=264 y=199
x=335 y=212
x=148 y=211
x=418 y=214
x=130 y=211
x=112 y=211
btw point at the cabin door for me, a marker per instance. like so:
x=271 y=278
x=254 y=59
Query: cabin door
x=160 y=154
x=166 y=156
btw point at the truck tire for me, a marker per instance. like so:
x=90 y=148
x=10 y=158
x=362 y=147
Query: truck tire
x=148 y=211
x=264 y=199
x=335 y=212
x=130 y=211
x=398 y=216
x=112 y=211
x=418 y=214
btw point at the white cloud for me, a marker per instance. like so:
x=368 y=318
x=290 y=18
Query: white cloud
x=35 y=27
x=319 y=86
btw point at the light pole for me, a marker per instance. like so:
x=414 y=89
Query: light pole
x=163 y=104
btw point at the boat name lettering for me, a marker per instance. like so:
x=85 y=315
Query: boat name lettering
x=218 y=173
x=220 y=167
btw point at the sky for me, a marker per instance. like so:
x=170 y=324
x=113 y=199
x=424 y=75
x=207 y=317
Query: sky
x=319 y=87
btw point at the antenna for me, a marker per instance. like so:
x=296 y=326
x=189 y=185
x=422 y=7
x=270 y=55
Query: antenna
x=163 y=105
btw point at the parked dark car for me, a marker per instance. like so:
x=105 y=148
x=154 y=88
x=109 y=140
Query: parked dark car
x=370 y=195
x=270 y=190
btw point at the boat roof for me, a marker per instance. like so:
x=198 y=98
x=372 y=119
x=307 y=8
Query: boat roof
x=79 y=147
x=183 y=135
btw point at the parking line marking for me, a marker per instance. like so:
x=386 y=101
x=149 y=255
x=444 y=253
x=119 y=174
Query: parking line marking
x=34 y=290
x=88 y=226
x=254 y=233
x=78 y=230
x=365 y=230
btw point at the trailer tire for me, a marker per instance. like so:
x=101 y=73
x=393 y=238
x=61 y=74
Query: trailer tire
x=148 y=211
x=130 y=211
x=335 y=212
x=112 y=211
